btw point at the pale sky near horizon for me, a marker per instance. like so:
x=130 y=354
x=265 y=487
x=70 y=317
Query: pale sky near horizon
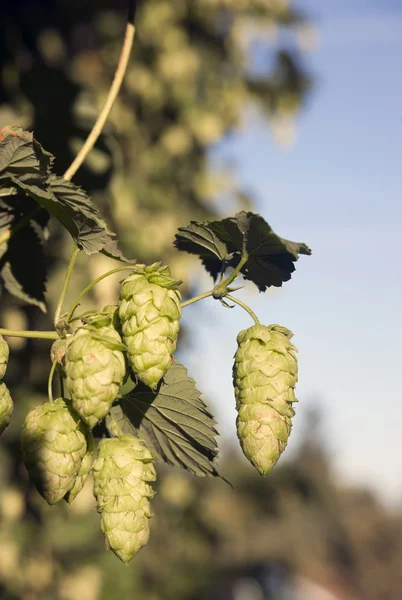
x=339 y=189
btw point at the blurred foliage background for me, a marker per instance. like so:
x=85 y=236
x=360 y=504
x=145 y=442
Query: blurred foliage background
x=198 y=68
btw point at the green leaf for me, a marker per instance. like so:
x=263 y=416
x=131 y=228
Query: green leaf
x=175 y=422
x=84 y=221
x=112 y=250
x=71 y=206
x=23 y=267
x=270 y=258
x=21 y=154
x=26 y=166
x=200 y=239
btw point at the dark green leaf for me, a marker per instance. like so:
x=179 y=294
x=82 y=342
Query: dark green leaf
x=199 y=239
x=84 y=221
x=21 y=154
x=175 y=422
x=112 y=250
x=71 y=206
x=270 y=258
x=23 y=267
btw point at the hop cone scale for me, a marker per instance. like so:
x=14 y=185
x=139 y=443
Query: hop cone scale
x=150 y=312
x=94 y=370
x=264 y=378
x=53 y=444
x=6 y=407
x=123 y=471
x=4 y=353
x=84 y=469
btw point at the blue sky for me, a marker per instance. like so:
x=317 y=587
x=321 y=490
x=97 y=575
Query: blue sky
x=339 y=189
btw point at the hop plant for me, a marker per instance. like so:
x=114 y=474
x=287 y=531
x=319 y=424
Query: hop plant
x=6 y=407
x=123 y=471
x=264 y=377
x=4 y=354
x=95 y=367
x=84 y=469
x=150 y=312
x=53 y=444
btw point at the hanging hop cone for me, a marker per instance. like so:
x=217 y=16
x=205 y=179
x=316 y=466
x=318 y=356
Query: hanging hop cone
x=95 y=367
x=6 y=407
x=84 y=469
x=123 y=471
x=150 y=312
x=264 y=377
x=53 y=444
x=4 y=353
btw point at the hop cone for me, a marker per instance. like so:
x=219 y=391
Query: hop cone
x=95 y=368
x=123 y=471
x=53 y=444
x=6 y=407
x=4 y=353
x=150 y=312
x=84 y=470
x=264 y=377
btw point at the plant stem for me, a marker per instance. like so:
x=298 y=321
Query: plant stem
x=65 y=284
x=220 y=289
x=39 y=335
x=50 y=381
x=113 y=92
x=245 y=307
x=61 y=380
x=197 y=298
x=90 y=286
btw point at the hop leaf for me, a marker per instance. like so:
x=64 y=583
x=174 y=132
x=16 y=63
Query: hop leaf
x=264 y=377
x=84 y=470
x=95 y=368
x=6 y=407
x=123 y=471
x=53 y=444
x=4 y=354
x=150 y=312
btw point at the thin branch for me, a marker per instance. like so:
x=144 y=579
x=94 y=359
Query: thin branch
x=38 y=335
x=90 y=286
x=50 y=381
x=113 y=92
x=65 y=284
x=245 y=307
x=197 y=298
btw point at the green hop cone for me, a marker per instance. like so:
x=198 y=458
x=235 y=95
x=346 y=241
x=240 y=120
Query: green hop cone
x=264 y=378
x=53 y=444
x=95 y=368
x=84 y=470
x=123 y=472
x=6 y=407
x=4 y=353
x=150 y=312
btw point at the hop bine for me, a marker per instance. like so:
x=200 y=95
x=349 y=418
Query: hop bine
x=264 y=378
x=53 y=444
x=150 y=312
x=95 y=366
x=123 y=472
